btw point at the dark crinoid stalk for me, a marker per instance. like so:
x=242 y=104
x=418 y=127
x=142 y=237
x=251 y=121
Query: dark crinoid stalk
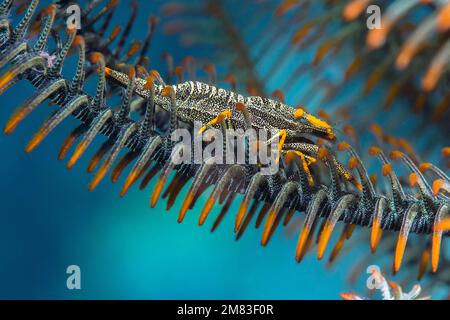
x=311 y=178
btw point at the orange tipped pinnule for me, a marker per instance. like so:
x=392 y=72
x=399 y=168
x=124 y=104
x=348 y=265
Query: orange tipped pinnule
x=413 y=178
x=395 y=155
x=285 y=6
x=302 y=32
x=443 y=19
x=324 y=238
x=376 y=130
x=98 y=177
x=240 y=215
x=111 y=4
x=399 y=252
x=51 y=9
x=131 y=73
x=128 y=182
x=158 y=189
x=178 y=71
x=268 y=227
x=231 y=79
x=424 y=166
x=375 y=235
x=374 y=179
x=71 y=30
x=114 y=33
x=349 y=296
x=135 y=46
x=323 y=114
x=387 y=169
x=78 y=41
x=167 y=91
x=354 y=9
x=443 y=225
x=437 y=185
x=149 y=83
x=207 y=209
x=185 y=206
x=155 y=74
x=349 y=130
x=209 y=68
x=376 y=37
x=431 y=78
x=445 y=152
x=343 y=146
x=352 y=163
x=279 y=95
x=424 y=260
x=95 y=57
x=405 y=56
x=374 y=151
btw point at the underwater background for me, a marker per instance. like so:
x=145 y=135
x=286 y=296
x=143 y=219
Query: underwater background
x=49 y=220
